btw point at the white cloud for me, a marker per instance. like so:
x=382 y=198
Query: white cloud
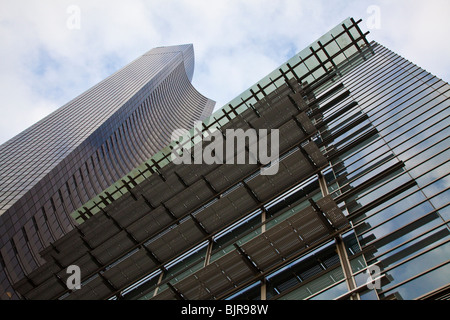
x=44 y=64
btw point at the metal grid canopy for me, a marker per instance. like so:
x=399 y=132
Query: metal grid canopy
x=263 y=252
x=161 y=210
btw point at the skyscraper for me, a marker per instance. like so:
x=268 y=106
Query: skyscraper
x=357 y=209
x=58 y=164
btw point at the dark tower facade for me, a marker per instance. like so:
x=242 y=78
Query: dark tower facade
x=61 y=162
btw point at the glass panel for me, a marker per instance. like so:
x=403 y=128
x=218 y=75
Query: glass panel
x=319 y=284
x=420 y=264
x=295 y=202
x=252 y=292
x=422 y=285
x=144 y=288
x=412 y=246
x=445 y=212
x=184 y=266
x=368 y=295
x=334 y=291
x=239 y=233
x=317 y=270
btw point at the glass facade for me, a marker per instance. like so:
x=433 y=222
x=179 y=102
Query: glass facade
x=61 y=162
x=357 y=209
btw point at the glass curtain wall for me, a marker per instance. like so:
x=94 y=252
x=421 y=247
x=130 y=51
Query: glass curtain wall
x=388 y=171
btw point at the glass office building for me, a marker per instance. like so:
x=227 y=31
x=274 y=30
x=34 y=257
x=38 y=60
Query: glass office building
x=357 y=209
x=58 y=164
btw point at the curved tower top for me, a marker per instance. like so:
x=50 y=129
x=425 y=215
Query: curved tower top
x=187 y=52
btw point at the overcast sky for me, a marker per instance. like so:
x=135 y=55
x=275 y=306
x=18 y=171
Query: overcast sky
x=51 y=51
